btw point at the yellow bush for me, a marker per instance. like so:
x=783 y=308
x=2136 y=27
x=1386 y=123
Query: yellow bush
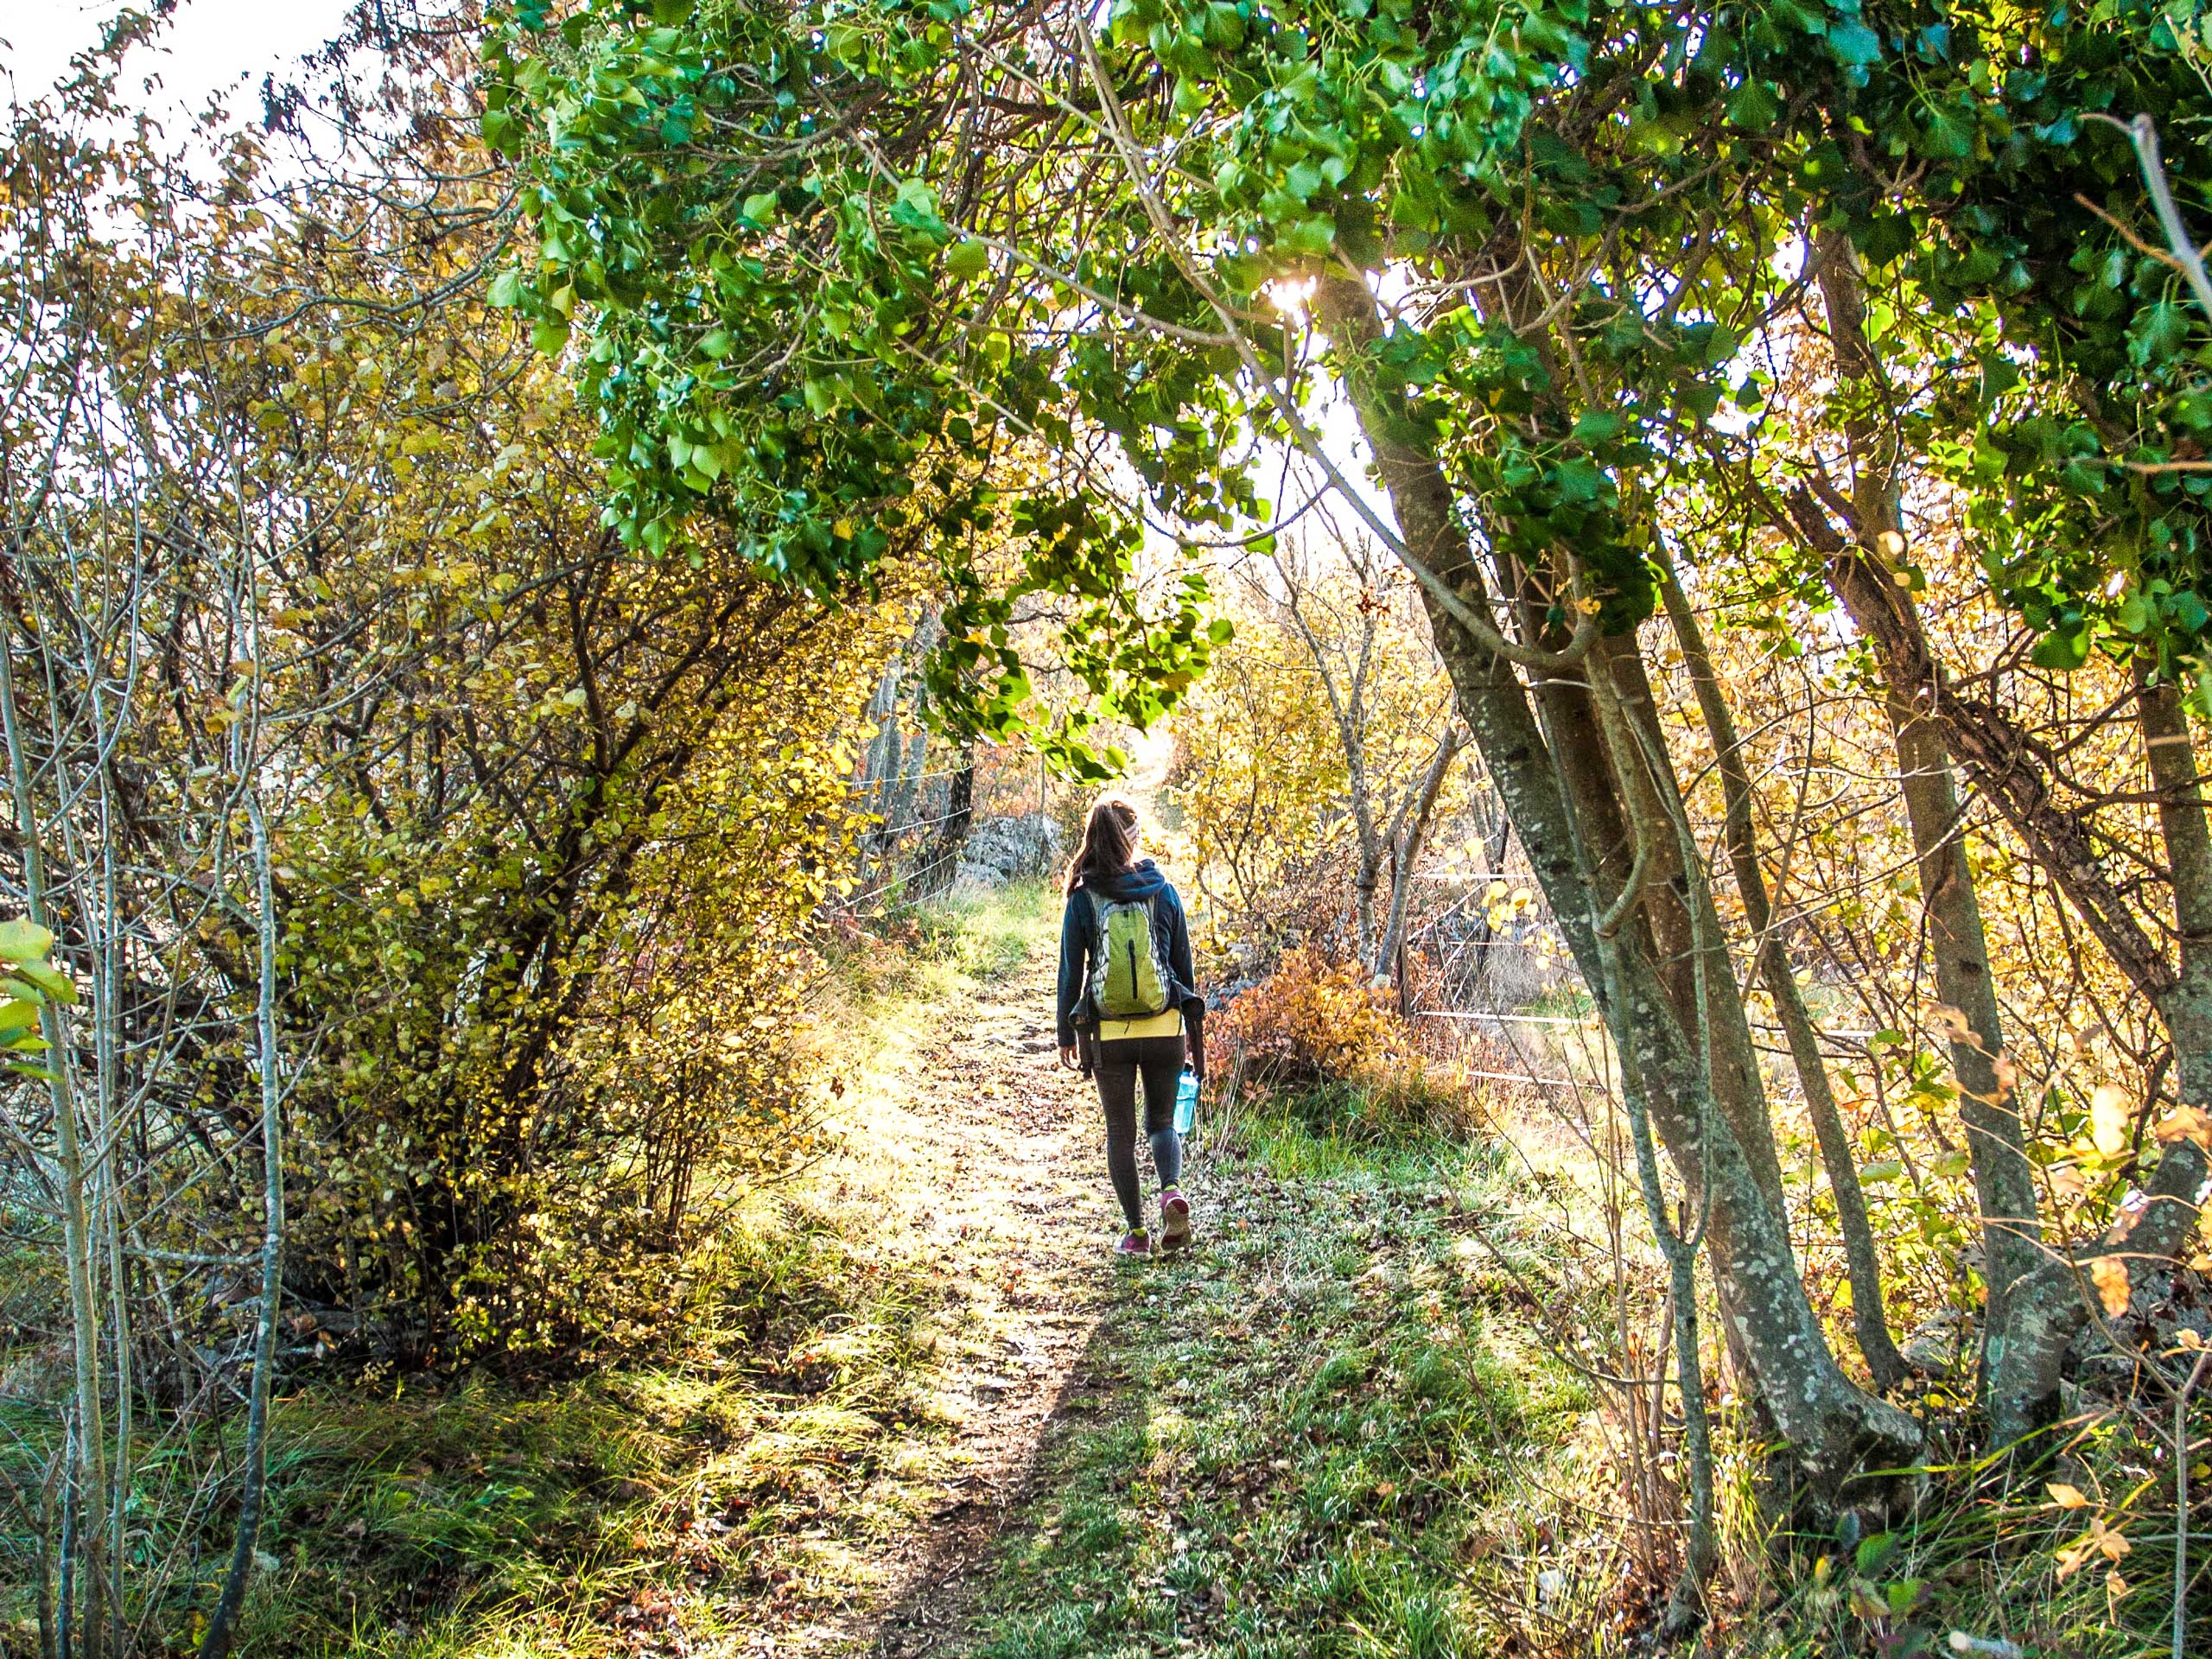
x=1313 y=1022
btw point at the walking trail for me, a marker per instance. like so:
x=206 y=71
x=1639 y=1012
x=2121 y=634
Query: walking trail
x=994 y=1153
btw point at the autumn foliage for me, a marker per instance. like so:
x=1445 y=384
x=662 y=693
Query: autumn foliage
x=1330 y=1043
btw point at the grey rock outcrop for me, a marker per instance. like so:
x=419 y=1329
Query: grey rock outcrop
x=1002 y=851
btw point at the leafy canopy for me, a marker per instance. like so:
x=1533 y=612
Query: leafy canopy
x=820 y=268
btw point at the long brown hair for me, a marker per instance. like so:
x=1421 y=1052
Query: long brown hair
x=1109 y=842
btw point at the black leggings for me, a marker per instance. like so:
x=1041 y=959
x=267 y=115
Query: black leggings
x=1160 y=1061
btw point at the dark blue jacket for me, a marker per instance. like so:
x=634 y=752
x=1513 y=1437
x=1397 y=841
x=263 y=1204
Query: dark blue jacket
x=1079 y=940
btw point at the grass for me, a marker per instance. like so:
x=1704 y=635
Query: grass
x=476 y=1519
x=1339 y=1432
x=1327 y=1425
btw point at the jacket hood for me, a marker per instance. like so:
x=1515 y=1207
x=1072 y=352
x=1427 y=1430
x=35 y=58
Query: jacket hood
x=1139 y=881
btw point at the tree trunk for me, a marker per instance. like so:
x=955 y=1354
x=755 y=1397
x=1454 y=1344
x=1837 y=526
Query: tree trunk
x=88 y=1479
x=1869 y=1321
x=222 y=1621
x=2170 y=1218
x=1834 y=1429
x=1387 y=955
x=2004 y=1178
x=943 y=856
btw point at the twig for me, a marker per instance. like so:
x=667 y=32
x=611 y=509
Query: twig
x=2181 y=1501
x=2143 y=133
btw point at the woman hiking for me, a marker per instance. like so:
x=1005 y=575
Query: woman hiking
x=1130 y=1011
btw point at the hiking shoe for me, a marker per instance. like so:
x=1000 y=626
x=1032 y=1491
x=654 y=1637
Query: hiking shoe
x=1174 y=1221
x=1136 y=1243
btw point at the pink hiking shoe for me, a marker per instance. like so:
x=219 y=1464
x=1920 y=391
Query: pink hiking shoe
x=1136 y=1243
x=1174 y=1221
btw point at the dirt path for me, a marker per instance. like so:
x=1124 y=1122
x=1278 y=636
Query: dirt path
x=1006 y=1146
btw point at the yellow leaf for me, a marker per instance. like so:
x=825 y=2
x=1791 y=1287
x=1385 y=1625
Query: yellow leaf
x=2110 y=1278
x=2108 y=1119
x=2066 y=1497
x=2115 y=1587
x=2186 y=1123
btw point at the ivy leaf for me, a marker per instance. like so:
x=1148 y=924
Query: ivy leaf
x=1312 y=237
x=2063 y=652
x=1852 y=44
x=1754 y=107
x=2160 y=334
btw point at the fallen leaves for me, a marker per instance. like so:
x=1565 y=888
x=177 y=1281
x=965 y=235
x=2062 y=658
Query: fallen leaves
x=2099 y=1540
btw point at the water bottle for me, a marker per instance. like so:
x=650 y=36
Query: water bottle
x=1186 y=1102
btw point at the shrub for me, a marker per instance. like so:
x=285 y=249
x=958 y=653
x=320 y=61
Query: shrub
x=1320 y=1037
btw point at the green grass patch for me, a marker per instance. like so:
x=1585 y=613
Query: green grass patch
x=1326 y=1431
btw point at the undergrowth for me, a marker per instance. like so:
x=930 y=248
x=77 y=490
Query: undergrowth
x=761 y=1460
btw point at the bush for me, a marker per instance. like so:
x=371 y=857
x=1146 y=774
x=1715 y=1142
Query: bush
x=1318 y=1036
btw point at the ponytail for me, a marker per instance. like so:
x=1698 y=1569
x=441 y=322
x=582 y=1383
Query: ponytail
x=1109 y=842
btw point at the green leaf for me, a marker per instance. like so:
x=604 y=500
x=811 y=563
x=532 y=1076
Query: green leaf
x=506 y=289
x=762 y=208
x=22 y=940
x=1872 y=1552
x=968 y=260
x=52 y=983
x=1312 y=237
x=2162 y=331
x=1853 y=44
x=1754 y=108
x=2063 y=652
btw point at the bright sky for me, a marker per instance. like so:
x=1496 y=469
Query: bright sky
x=210 y=44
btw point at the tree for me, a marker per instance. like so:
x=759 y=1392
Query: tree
x=1270 y=772
x=1282 y=139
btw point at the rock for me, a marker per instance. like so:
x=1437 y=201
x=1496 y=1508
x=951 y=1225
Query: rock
x=2168 y=1320
x=1937 y=1348
x=1002 y=851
